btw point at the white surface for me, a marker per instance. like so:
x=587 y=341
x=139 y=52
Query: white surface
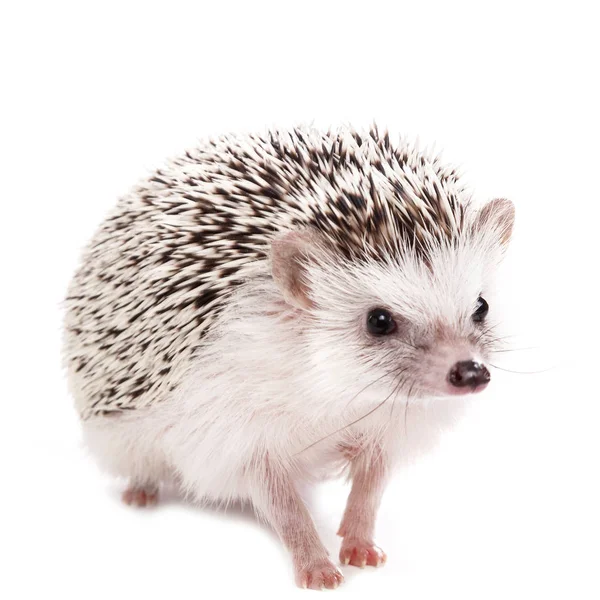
x=93 y=98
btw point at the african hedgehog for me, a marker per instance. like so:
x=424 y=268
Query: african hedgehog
x=262 y=312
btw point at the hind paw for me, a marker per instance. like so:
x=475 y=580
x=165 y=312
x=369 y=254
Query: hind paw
x=139 y=496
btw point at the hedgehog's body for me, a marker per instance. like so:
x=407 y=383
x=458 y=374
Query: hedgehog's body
x=216 y=330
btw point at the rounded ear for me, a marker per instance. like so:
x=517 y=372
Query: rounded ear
x=289 y=255
x=498 y=215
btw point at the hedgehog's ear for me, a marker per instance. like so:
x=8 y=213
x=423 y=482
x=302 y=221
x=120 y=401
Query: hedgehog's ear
x=289 y=256
x=498 y=215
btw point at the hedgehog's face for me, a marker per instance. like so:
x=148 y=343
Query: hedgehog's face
x=408 y=326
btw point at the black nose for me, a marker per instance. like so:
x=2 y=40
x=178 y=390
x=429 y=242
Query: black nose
x=468 y=373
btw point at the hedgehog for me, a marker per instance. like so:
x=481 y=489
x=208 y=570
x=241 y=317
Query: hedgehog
x=267 y=311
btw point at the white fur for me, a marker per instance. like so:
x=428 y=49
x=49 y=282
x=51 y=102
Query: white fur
x=216 y=332
x=279 y=384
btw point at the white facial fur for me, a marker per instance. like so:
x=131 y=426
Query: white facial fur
x=432 y=302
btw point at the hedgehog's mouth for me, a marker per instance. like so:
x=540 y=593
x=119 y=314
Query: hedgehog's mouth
x=454 y=391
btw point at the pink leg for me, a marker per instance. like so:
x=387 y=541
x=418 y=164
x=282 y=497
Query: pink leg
x=281 y=506
x=369 y=474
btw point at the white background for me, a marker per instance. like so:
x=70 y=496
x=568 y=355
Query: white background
x=94 y=95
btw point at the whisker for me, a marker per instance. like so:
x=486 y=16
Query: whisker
x=516 y=349
x=394 y=393
x=349 y=424
x=368 y=386
x=401 y=381
x=410 y=345
x=521 y=372
x=410 y=391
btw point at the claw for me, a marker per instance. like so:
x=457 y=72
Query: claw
x=361 y=554
x=320 y=576
x=140 y=496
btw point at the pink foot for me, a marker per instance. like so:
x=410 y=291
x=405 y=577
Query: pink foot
x=361 y=553
x=319 y=576
x=140 y=497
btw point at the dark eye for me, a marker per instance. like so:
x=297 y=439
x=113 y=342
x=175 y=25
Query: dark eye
x=481 y=311
x=380 y=322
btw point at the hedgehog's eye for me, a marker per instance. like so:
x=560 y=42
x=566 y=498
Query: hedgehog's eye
x=481 y=311
x=380 y=322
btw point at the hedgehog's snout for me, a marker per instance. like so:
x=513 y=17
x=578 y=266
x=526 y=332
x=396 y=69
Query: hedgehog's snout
x=469 y=375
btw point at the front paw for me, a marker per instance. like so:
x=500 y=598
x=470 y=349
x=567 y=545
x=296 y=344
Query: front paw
x=319 y=576
x=361 y=553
